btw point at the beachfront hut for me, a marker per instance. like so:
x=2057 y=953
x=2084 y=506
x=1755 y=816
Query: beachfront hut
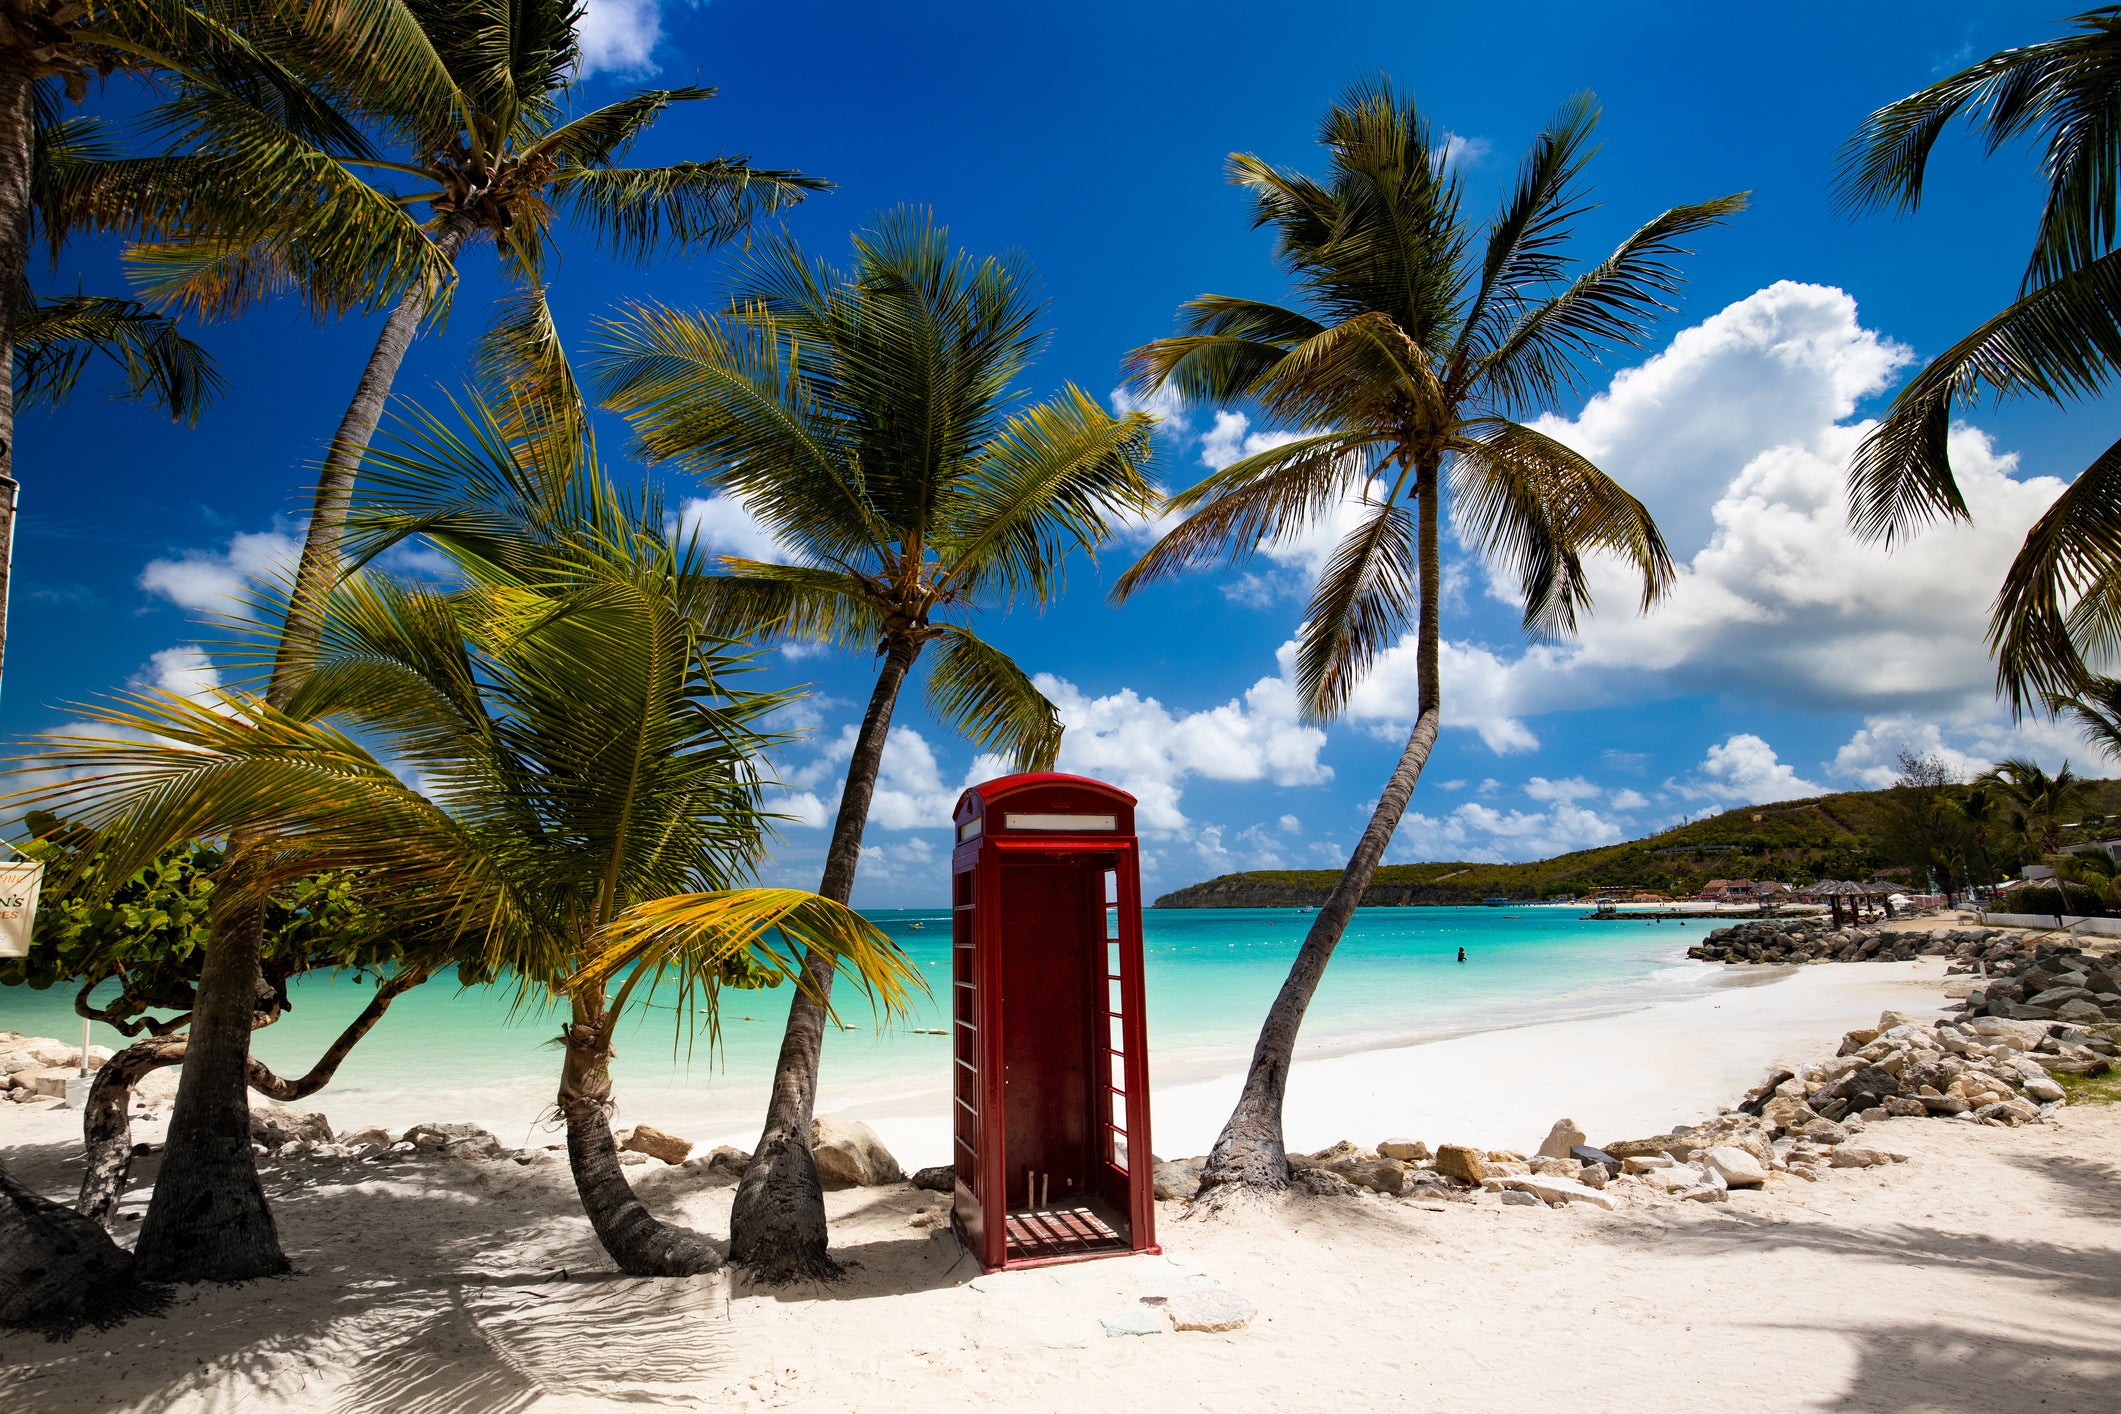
x=1050 y=1068
x=1839 y=892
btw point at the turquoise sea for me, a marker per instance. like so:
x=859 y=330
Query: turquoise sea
x=447 y=1053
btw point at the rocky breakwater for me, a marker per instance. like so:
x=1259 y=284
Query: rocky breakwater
x=1805 y=940
x=2042 y=977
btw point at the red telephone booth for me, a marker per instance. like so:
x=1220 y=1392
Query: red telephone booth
x=1051 y=1075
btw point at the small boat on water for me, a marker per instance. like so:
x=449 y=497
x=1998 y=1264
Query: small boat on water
x=917 y=926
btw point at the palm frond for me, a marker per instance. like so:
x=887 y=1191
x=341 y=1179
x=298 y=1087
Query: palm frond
x=2059 y=603
x=56 y=338
x=2065 y=93
x=1362 y=602
x=1269 y=496
x=2094 y=707
x=692 y=935
x=978 y=689
x=638 y=213
x=1552 y=344
x=1539 y=506
x=2061 y=341
x=1058 y=479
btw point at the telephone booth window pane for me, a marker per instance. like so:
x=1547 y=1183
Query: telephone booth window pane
x=1111 y=925
x=1119 y=1034
x=1112 y=998
x=1111 y=887
x=1111 y=959
x=1119 y=1111
x=1119 y=1150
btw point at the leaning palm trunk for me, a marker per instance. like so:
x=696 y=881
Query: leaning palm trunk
x=777 y=1223
x=319 y=566
x=640 y=1243
x=1249 y=1151
x=17 y=81
x=106 y=1123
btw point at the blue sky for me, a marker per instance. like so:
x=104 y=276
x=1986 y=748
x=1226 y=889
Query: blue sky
x=1092 y=138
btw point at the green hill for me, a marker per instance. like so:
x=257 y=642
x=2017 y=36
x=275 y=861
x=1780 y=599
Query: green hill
x=1852 y=834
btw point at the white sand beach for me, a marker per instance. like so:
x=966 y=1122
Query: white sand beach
x=468 y=1285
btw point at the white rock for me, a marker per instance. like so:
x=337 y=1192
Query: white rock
x=1735 y=1167
x=2044 y=1090
x=1556 y=1191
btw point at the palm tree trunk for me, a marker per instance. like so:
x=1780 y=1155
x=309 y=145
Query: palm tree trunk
x=1249 y=1152
x=319 y=567
x=17 y=81
x=640 y=1243
x=777 y=1223
x=208 y=1220
x=106 y=1124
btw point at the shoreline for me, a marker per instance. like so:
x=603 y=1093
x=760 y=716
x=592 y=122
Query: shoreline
x=1619 y=1071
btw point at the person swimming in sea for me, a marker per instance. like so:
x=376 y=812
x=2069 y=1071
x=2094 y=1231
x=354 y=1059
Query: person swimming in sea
x=1461 y=954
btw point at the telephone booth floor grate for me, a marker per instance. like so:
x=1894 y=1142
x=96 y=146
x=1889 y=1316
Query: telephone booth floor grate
x=1058 y=1234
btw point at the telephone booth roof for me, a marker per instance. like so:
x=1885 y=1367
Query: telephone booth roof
x=1056 y=792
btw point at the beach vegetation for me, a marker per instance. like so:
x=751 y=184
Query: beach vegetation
x=2059 y=609
x=1418 y=344
x=133 y=951
x=871 y=418
x=547 y=756
x=307 y=177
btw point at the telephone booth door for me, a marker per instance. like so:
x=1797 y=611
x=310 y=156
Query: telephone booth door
x=1050 y=1078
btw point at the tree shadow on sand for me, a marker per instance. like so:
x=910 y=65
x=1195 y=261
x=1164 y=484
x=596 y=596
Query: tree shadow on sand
x=506 y=1307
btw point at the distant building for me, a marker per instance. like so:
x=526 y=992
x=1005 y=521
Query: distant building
x=1729 y=891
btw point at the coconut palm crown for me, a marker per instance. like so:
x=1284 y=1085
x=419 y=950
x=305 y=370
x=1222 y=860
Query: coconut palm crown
x=1415 y=349
x=458 y=108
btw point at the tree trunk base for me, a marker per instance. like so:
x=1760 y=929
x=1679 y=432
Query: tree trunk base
x=778 y=1218
x=59 y=1271
x=642 y=1244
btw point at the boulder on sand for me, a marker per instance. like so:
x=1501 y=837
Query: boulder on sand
x=1462 y=1161
x=849 y=1154
x=940 y=1178
x=273 y=1124
x=1406 y=1150
x=1563 y=1137
x=647 y=1139
x=1178 y=1178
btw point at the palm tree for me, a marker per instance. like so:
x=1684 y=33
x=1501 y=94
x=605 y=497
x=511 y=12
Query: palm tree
x=2043 y=800
x=307 y=179
x=1416 y=346
x=870 y=417
x=2060 y=602
x=588 y=779
x=457 y=105
x=1981 y=810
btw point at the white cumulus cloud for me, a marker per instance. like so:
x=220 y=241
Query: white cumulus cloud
x=1744 y=770
x=619 y=36
x=218 y=581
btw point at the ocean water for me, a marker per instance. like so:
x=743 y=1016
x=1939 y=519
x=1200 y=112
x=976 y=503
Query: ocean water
x=448 y=1053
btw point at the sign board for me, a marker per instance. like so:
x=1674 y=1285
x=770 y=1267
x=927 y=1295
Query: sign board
x=18 y=905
